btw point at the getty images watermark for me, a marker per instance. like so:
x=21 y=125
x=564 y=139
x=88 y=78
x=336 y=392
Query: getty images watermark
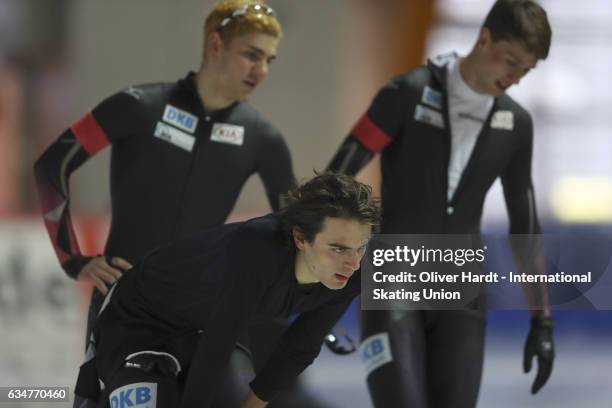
x=421 y=272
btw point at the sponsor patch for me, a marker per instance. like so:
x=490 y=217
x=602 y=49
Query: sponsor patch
x=180 y=118
x=174 y=136
x=503 y=120
x=137 y=395
x=432 y=98
x=375 y=351
x=225 y=133
x=429 y=116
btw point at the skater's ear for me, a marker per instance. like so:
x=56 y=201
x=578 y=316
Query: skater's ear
x=298 y=237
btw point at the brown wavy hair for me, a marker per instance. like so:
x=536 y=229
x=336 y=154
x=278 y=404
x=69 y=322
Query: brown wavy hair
x=328 y=195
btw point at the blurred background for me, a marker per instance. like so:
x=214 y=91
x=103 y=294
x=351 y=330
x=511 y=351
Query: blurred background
x=59 y=58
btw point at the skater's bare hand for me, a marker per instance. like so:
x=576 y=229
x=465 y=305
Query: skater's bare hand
x=101 y=274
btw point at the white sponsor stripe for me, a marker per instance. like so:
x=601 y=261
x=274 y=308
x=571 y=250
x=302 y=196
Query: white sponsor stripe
x=429 y=116
x=174 y=136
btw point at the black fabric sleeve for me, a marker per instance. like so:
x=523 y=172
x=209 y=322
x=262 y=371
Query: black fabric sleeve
x=274 y=165
x=300 y=345
x=520 y=201
x=108 y=122
x=122 y=115
x=518 y=186
x=351 y=157
x=52 y=172
x=241 y=290
x=373 y=131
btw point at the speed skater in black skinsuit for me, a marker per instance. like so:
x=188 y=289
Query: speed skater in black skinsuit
x=446 y=131
x=184 y=306
x=181 y=153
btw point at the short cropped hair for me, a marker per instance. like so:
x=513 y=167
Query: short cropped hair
x=254 y=20
x=520 y=20
x=328 y=195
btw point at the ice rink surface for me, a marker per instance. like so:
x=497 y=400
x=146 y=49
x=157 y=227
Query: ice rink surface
x=582 y=376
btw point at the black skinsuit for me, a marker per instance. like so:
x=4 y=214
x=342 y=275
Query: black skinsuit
x=437 y=355
x=174 y=169
x=210 y=286
x=161 y=188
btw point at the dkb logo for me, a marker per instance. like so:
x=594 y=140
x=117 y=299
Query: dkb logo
x=371 y=350
x=139 y=395
x=375 y=351
x=180 y=118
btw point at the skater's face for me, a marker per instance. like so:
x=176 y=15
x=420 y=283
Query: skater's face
x=243 y=62
x=335 y=252
x=501 y=63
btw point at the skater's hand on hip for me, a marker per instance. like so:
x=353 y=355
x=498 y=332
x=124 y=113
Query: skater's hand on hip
x=102 y=274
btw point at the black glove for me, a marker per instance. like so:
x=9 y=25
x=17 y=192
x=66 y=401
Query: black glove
x=539 y=343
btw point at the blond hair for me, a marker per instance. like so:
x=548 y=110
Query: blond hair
x=253 y=21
